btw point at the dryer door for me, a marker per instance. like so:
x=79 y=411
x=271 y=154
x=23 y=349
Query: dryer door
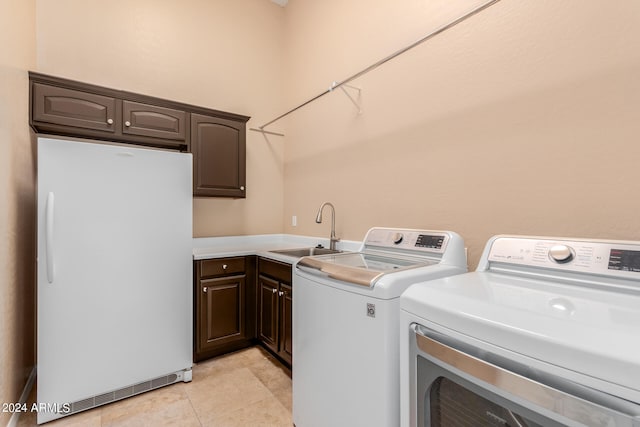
x=460 y=385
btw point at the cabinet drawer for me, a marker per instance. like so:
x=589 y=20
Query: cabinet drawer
x=275 y=269
x=222 y=266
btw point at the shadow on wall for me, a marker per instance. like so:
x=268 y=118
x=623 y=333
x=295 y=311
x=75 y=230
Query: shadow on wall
x=25 y=295
x=17 y=274
x=558 y=161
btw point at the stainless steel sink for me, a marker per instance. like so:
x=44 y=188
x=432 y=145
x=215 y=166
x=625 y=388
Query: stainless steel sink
x=299 y=253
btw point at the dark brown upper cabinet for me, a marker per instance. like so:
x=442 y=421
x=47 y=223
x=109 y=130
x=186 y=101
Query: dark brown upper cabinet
x=67 y=107
x=217 y=139
x=153 y=121
x=219 y=152
x=77 y=109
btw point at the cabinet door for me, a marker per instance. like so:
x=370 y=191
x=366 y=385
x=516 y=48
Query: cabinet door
x=219 y=156
x=153 y=121
x=68 y=107
x=268 y=312
x=221 y=311
x=286 y=322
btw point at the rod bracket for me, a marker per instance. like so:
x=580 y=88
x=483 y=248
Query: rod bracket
x=357 y=101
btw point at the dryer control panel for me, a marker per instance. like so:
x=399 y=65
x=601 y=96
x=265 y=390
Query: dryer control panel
x=611 y=258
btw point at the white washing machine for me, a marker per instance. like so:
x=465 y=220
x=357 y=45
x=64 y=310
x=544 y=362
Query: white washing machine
x=546 y=332
x=345 y=324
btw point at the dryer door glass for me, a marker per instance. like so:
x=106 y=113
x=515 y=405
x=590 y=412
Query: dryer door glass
x=452 y=405
x=449 y=400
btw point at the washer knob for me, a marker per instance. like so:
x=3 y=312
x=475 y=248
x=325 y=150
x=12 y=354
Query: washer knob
x=561 y=253
x=397 y=238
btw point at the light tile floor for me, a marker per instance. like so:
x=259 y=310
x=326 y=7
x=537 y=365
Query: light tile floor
x=245 y=388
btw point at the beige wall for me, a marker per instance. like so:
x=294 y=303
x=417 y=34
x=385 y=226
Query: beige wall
x=17 y=201
x=222 y=54
x=519 y=120
x=524 y=119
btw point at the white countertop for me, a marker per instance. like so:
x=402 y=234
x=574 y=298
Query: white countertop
x=261 y=244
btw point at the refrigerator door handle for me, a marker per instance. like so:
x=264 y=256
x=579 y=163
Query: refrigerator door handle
x=49 y=236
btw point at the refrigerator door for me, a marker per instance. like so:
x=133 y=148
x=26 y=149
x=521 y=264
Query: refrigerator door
x=114 y=268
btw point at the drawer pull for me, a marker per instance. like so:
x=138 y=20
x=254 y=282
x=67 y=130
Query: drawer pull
x=224 y=266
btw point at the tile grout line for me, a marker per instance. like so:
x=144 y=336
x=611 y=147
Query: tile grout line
x=194 y=409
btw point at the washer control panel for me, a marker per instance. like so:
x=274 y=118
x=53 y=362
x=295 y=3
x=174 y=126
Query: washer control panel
x=561 y=253
x=407 y=239
x=615 y=258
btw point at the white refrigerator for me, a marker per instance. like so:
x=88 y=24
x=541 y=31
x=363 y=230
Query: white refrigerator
x=114 y=273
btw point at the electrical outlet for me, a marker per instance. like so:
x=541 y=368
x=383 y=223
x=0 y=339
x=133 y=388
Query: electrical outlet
x=294 y=220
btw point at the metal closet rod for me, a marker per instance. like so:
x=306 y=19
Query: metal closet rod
x=371 y=67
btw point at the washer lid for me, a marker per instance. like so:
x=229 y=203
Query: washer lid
x=589 y=331
x=360 y=268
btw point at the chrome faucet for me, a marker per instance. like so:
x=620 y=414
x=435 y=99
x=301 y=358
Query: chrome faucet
x=333 y=239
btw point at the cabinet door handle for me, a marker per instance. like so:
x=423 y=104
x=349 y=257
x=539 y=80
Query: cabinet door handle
x=274 y=290
x=242 y=188
x=205 y=289
x=280 y=293
x=109 y=121
x=224 y=266
x=127 y=123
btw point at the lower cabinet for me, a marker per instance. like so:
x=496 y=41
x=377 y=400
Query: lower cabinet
x=275 y=304
x=286 y=323
x=224 y=305
x=239 y=301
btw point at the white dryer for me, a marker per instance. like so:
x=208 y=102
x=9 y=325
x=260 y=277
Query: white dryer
x=546 y=332
x=345 y=324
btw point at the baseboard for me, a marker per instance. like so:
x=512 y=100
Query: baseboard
x=13 y=421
